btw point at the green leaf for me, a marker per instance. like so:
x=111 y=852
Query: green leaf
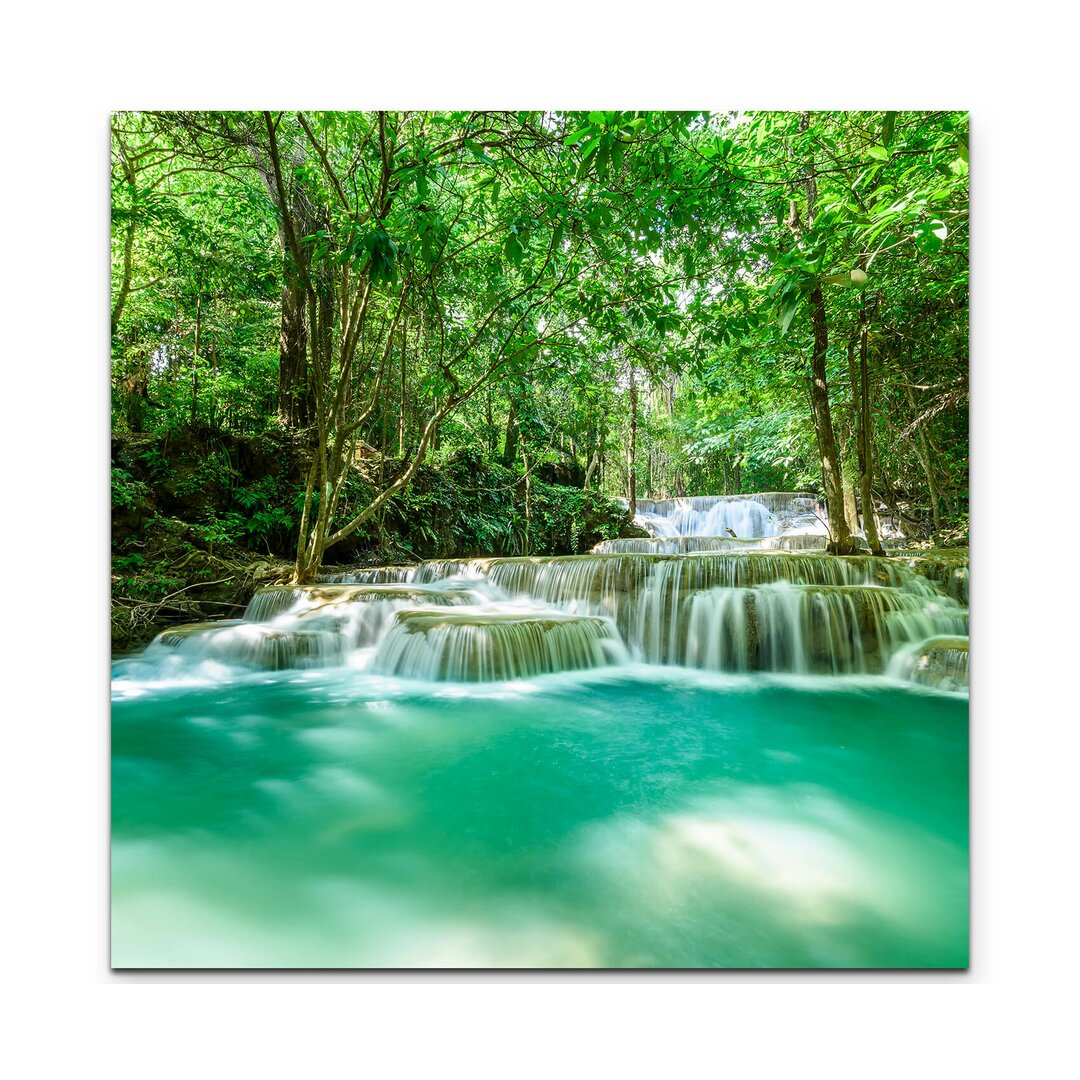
x=602 y=156
x=929 y=235
x=513 y=250
x=887 y=128
x=477 y=151
x=428 y=251
x=616 y=155
x=588 y=152
x=962 y=145
x=580 y=134
x=878 y=153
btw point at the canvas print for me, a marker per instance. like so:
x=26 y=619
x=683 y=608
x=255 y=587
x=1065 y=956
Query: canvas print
x=539 y=539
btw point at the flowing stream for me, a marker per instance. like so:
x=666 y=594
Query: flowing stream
x=696 y=750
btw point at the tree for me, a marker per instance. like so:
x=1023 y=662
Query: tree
x=482 y=222
x=642 y=304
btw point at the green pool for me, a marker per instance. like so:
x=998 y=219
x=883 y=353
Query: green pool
x=643 y=816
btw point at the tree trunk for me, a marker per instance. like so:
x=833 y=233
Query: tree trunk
x=510 y=442
x=213 y=381
x=404 y=384
x=922 y=451
x=849 y=465
x=293 y=394
x=852 y=459
x=848 y=476
x=129 y=243
x=840 y=541
x=866 y=448
x=195 y=361
x=594 y=464
x=528 y=502
x=631 y=449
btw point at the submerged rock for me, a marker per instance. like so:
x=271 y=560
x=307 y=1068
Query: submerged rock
x=940 y=662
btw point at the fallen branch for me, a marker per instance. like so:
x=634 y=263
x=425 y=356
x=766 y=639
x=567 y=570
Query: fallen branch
x=195 y=585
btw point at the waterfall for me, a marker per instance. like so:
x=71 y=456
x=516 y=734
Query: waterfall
x=687 y=545
x=939 y=662
x=766 y=514
x=375 y=575
x=806 y=629
x=439 y=569
x=235 y=643
x=839 y=615
x=270 y=603
x=361 y=614
x=707 y=517
x=766 y=599
x=484 y=646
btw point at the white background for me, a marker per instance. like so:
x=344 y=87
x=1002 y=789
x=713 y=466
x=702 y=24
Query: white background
x=66 y=69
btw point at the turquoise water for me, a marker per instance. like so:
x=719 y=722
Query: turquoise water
x=632 y=817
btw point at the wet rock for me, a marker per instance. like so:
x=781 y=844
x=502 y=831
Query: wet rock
x=941 y=663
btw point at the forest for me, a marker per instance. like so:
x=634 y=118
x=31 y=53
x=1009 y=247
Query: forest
x=346 y=339
x=539 y=539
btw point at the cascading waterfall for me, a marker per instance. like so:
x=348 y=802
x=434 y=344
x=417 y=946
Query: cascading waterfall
x=374 y=575
x=689 y=545
x=484 y=646
x=361 y=613
x=299 y=626
x=766 y=514
x=805 y=629
x=441 y=569
x=344 y=601
x=940 y=662
x=235 y=643
x=707 y=517
x=766 y=599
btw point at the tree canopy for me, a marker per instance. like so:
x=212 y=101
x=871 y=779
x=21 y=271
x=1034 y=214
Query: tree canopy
x=646 y=304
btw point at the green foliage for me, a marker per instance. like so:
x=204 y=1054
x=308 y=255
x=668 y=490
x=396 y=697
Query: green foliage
x=216 y=530
x=264 y=513
x=139 y=574
x=127 y=492
x=570 y=521
x=520 y=271
x=955 y=531
x=474 y=506
x=215 y=472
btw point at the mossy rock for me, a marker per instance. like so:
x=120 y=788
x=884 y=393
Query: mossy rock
x=941 y=663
